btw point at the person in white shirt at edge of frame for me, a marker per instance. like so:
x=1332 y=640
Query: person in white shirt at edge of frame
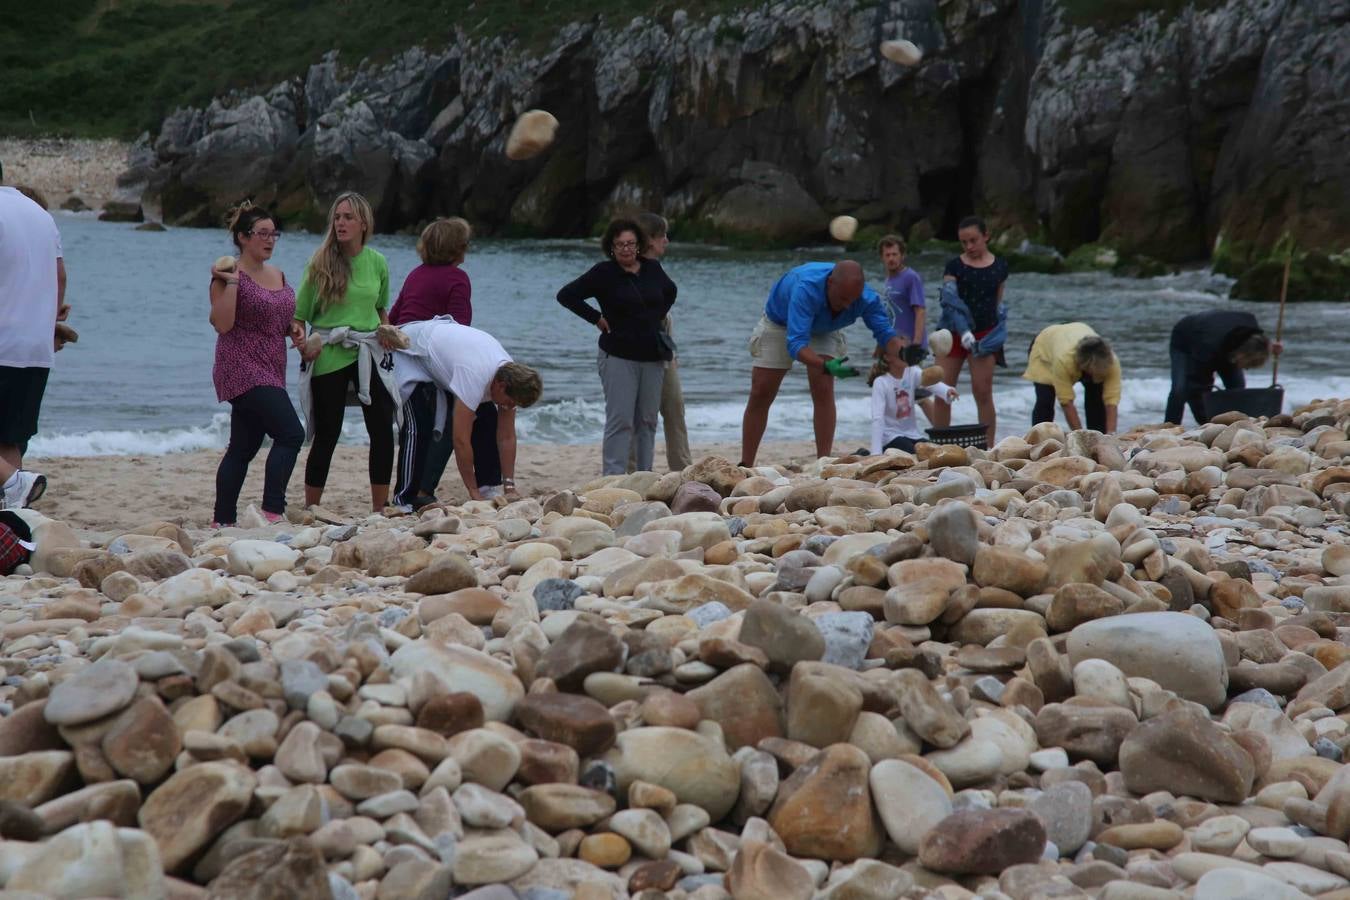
x=443 y=376
x=32 y=302
x=897 y=390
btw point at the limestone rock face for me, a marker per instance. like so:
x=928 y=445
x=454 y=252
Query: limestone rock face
x=1110 y=129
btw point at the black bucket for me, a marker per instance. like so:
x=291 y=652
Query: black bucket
x=1249 y=401
x=961 y=435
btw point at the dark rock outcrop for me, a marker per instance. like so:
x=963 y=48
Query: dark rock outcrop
x=1156 y=137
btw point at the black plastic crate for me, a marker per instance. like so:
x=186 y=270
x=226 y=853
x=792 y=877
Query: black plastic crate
x=960 y=435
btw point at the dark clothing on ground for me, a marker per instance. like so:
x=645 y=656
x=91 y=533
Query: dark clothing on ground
x=979 y=289
x=21 y=391
x=634 y=304
x=1200 y=348
x=329 y=394
x=263 y=411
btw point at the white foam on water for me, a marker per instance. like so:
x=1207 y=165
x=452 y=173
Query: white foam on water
x=153 y=442
x=582 y=421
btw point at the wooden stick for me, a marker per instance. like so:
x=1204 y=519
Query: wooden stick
x=1279 y=324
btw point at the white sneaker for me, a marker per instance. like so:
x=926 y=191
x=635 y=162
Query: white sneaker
x=23 y=489
x=490 y=490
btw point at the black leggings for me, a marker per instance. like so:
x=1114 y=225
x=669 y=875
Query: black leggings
x=258 y=412
x=1094 y=407
x=328 y=403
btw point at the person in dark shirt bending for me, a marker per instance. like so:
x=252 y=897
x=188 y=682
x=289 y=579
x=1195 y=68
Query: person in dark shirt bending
x=1214 y=342
x=634 y=294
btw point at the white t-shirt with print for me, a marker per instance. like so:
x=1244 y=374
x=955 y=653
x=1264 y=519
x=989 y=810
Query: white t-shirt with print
x=30 y=245
x=894 y=403
x=457 y=358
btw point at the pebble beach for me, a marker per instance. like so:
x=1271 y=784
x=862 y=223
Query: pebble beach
x=1073 y=665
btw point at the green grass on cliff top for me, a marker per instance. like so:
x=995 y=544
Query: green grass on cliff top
x=112 y=68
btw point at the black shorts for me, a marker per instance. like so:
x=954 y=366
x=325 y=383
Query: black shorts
x=21 y=393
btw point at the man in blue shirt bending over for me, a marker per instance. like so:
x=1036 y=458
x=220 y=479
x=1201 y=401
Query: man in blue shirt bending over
x=803 y=320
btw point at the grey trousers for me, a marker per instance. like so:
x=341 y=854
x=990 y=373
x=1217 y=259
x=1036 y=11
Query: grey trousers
x=632 y=400
x=672 y=422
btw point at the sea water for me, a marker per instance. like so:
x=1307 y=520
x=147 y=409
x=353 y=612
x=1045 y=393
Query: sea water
x=139 y=380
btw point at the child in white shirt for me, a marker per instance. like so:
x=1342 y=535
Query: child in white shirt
x=897 y=391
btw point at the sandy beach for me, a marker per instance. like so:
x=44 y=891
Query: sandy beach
x=105 y=494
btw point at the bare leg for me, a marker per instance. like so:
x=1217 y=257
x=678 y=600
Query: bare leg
x=9 y=454
x=982 y=386
x=313 y=495
x=822 y=409
x=379 y=497
x=951 y=370
x=7 y=469
x=764 y=384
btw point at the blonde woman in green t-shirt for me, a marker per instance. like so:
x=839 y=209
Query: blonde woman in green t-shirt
x=346 y=284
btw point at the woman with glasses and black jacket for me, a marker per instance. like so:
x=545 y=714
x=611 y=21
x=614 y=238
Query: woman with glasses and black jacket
x=634 y=294
x=252 y=308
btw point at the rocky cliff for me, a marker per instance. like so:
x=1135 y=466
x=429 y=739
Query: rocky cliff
x=1160 y=136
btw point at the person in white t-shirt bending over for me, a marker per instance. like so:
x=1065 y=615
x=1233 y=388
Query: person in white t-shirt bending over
x=32 y=301
x=897 y=391
x=447 y=371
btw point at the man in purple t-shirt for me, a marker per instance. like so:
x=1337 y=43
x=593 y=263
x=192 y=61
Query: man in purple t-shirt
x=904 y=294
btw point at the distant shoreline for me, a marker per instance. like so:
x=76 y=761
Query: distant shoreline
x=61 y=168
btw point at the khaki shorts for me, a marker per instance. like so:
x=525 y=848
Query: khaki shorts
x=768 y=345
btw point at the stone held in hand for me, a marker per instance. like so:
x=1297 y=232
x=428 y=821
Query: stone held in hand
x=224 y=264
x=905 y=53
x=392 y=334
x=940 y=342
x=531 y=135
x=842 y=228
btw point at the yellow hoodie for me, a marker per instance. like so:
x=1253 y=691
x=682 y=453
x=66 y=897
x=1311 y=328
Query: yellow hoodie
x=1052 y=362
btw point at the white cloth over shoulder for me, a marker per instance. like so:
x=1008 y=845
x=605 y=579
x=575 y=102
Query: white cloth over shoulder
x=456 y=358
x=30 y=245
x=371 y=359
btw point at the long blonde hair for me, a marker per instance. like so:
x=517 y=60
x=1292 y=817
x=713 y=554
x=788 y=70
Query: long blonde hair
x=329 y=268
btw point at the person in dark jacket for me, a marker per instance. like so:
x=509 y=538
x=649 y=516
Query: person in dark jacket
x=1214 y=342
x=634 y=294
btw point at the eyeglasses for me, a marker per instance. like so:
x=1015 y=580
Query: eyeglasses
x=624 y=245
x=266 y=235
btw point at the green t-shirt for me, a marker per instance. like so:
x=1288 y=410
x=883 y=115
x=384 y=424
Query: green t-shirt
x=367 y=294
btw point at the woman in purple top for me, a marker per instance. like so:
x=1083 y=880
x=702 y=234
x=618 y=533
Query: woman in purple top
x=252 y=308
x=440 y=287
